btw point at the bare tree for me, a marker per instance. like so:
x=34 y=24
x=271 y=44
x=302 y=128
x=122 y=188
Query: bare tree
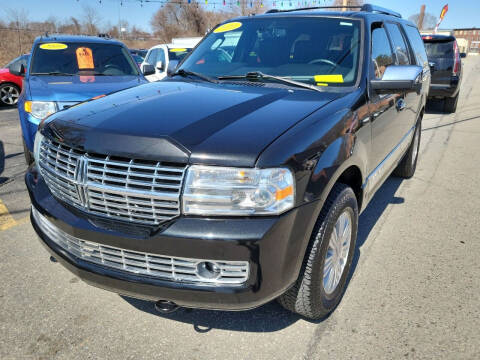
x=429 y=21
x=18 y=21
x=91 y=20
x=247 y=7
x=348 y=3
x=183 y=19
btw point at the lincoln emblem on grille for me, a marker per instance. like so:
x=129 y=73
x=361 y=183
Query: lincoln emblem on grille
x=81 y=179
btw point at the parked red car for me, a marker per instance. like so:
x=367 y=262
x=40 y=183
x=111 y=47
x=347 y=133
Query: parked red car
x=11 y=85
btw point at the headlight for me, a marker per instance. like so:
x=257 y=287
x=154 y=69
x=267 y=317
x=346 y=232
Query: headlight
x=212 y=190
x=40 y=109
x=36 y=145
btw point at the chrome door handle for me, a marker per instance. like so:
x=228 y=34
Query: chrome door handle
x=401 y=104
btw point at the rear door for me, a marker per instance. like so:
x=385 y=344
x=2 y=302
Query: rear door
x=441 y=56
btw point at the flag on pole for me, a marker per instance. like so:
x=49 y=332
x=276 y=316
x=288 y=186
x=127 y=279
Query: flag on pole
x=442 y=15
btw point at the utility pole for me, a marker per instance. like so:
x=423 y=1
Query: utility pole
x=421 y=16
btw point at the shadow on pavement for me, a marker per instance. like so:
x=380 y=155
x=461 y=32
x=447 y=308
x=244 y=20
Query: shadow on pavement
x=272 y=317
x=435 y=106
x=5 y=107
x=385 y=196
x=2 y=162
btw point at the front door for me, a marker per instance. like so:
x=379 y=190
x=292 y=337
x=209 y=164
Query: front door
x=383 y=107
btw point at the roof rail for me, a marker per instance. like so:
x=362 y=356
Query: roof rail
x=366 y=8
x=313 y=8
x=379 y=10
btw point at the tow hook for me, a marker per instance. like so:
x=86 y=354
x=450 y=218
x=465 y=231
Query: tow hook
x=165 y=306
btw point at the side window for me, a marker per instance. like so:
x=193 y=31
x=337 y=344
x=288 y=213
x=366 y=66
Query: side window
x=161 y=56
x=417 y=44
x=151 y=57
x=382 y=56
x=24 y=60
x=399 y=45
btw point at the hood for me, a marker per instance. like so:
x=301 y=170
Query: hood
x=78 y=88
x=217 y=124
x=4 y=71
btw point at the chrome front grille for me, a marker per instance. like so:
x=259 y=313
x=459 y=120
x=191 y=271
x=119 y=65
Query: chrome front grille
x=140 y=191
x=140 y=263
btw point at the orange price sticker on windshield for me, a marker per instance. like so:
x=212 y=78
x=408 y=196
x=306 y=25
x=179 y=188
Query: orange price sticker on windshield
x=84 y=58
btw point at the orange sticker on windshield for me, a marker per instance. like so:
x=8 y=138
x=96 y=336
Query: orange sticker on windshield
x=85 y=58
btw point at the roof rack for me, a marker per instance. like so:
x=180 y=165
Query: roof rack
x=367 y=8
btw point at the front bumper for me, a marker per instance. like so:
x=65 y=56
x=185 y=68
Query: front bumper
x=273 y=246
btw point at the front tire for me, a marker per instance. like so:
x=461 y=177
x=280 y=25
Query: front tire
x=322 y=280
x=9 y=94
x=450 y=104
x=28 y=155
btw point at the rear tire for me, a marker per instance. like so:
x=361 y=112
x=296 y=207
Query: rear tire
x=406 y=168
x=320 y=287
x=28 y=155
x=450 y=104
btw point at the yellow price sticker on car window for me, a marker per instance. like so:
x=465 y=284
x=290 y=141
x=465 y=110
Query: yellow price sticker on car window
x=228 y=27
x=177 y=50
x=329 y=78
x=53 y=46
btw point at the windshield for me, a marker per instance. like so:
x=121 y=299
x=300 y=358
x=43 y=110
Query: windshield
x=82 y=59
x=314 y=50
x=178 y=53
x=439 y=49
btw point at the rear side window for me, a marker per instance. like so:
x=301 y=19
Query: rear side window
x=382 y=55
x=399 y=44
x=417 y=45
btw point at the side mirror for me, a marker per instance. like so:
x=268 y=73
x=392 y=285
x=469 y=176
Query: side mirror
x=463 y=55
x=159 y=65
x=172 y=66
x=17 y=69
x=399 y=78
x=148 y=69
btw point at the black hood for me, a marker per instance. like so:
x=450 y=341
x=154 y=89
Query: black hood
x=220 y=124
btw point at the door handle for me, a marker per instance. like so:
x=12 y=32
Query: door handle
x=401 y=104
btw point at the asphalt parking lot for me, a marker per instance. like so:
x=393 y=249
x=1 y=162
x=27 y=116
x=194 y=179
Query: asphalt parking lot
x=414 y=293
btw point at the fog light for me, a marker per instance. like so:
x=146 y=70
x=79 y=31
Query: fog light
x=208 y=270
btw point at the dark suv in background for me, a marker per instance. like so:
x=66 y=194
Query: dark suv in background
x=240 y=179
x=446 y=68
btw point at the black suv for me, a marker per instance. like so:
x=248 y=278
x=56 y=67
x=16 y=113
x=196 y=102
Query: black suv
x=446 y=69
x=240 y=179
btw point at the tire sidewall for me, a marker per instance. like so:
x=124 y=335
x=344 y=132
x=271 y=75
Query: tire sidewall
x=345 y=201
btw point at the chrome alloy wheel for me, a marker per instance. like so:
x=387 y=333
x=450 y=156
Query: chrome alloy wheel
x=9 y=94
x=416 y=144
x=337 y=252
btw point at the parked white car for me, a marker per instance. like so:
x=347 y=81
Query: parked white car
x=161 y=56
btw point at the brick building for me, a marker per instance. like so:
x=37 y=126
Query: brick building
x=471 y=37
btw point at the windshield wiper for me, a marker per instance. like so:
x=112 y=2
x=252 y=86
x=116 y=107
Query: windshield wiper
x=53 y=73
x=257 y=75
x=184 y=73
